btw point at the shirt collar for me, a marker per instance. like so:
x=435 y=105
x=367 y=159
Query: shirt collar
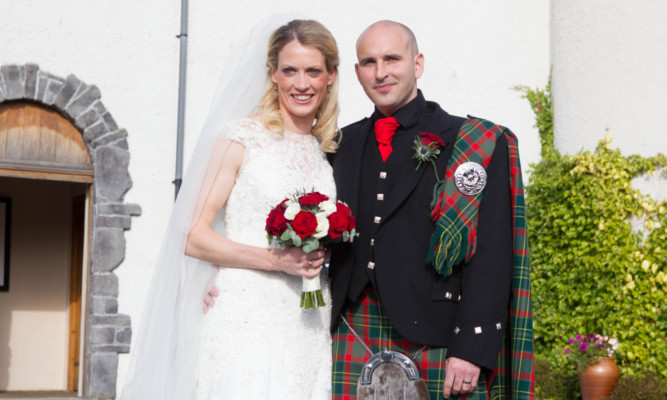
x=409 y=114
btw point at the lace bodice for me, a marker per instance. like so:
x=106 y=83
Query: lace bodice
x=274 y=166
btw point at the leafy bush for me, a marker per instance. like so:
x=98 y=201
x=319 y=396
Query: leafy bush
x=552 y=385
x=644 y=387
x=590 y=271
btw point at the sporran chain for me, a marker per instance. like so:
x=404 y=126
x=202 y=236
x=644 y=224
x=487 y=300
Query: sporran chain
x=368 y=349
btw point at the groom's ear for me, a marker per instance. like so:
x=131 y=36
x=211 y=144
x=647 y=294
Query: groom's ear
x=419 y=65
x=356 y=70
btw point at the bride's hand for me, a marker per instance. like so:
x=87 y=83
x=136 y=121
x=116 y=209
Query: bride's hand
x=209 y=298
x=294 y=261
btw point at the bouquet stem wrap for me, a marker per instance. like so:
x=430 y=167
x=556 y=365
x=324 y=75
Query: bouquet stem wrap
x=311 y=293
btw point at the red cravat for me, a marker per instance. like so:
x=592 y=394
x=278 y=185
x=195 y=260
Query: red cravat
x=384 y=132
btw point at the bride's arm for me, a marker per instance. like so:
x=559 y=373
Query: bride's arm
x=206 y=244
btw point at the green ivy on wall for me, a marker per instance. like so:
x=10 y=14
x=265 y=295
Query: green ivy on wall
x=591 y=273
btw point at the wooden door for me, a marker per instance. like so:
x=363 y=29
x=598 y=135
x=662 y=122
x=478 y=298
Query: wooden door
x=75 y=300
x=39 y=143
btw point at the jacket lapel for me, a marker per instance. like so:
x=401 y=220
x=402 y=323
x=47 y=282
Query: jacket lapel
x=348 y=162
x=408 y=178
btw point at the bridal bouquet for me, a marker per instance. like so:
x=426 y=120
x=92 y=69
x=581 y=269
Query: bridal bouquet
x=307 y=220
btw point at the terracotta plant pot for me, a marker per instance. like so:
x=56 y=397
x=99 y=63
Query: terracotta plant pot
x=598 y=381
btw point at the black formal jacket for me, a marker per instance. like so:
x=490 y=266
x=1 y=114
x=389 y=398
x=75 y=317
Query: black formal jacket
x=465 y=312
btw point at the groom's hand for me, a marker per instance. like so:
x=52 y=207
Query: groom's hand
x=460 y=377
x=209 y=298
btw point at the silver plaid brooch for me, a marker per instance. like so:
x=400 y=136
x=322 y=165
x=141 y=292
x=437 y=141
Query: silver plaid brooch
x=470 y=178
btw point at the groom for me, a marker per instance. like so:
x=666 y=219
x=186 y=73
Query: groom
x=382 y=284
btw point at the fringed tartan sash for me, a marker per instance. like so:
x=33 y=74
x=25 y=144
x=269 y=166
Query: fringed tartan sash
x=454 y=242
x=514 y=376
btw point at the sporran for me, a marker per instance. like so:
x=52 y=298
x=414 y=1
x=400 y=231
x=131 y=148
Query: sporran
x=389 y=375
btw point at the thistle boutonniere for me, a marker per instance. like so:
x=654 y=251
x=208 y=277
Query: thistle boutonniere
x=427 y=148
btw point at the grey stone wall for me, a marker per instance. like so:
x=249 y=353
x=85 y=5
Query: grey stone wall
x=108 y=333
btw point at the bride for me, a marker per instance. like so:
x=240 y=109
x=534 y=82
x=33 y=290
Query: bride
x=256 y=343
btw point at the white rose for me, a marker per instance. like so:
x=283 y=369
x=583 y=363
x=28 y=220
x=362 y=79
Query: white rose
x=292 y=210
x=322 y=226
x=328 y=207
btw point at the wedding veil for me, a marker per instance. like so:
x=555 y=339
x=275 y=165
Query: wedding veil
x=164 y=354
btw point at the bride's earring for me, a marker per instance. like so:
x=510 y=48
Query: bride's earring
x=275 y=90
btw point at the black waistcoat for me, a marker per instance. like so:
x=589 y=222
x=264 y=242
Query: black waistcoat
x=377 y=181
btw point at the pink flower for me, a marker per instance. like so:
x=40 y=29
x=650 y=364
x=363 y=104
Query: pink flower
x=590 y=347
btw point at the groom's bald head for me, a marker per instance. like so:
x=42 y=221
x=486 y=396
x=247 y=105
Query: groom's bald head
x=385 y=26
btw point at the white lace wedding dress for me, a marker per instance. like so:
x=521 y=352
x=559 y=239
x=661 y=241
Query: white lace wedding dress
x=259 y=344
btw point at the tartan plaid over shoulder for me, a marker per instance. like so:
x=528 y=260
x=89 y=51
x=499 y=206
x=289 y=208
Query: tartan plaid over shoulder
x=454 y=242
x=454 y=239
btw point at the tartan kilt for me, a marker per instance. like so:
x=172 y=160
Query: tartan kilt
x=368 y=319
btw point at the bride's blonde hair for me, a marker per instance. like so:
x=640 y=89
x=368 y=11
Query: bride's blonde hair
x=313 y=34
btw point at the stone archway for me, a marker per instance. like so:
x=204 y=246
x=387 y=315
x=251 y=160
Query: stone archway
x=108 y=333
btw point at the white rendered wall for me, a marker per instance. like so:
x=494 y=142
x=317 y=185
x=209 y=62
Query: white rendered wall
x=609 y=70
x=476 y=51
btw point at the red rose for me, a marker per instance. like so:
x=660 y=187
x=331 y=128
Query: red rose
x=340 y=221
x=276 y=223
x=304 y=224
x=312 y=199
x=344 y=209
x=337 y=224
x=352 y=224
x=429 y=138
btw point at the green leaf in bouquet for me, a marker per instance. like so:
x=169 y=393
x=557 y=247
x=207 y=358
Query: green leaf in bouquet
x=346 y=236
x=310 y=244
x=296 y=240
x=287 y=235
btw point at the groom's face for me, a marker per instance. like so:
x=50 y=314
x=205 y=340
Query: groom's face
x=388 y=66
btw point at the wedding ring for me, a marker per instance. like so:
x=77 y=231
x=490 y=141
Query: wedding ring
x=467 y=382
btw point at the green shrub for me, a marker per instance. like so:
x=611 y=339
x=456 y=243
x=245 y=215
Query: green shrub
x=643 y=387
x=591 y=273
x=553 y=385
